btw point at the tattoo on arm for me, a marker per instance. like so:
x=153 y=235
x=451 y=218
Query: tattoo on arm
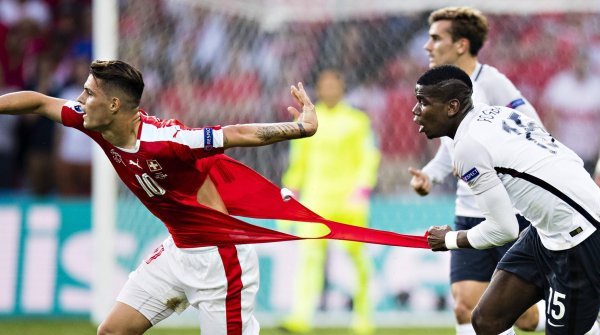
x=267 y=133
x=302 y=130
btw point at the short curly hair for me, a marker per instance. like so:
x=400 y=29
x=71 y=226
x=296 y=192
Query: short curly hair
x=448 y=82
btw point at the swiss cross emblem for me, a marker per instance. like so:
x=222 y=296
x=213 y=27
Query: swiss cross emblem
x=153 y=165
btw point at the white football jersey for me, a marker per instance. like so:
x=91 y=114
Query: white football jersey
x=490 y=87
x=493 y=143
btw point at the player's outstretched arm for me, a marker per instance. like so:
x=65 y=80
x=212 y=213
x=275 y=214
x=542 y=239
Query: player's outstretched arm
x=258 y=134
x=30 y=102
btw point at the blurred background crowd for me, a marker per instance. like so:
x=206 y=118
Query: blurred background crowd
x=209 y=67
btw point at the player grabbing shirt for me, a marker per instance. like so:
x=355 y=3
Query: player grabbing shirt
x=509 y=160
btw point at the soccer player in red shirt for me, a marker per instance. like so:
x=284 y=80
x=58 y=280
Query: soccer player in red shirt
x=177 y=173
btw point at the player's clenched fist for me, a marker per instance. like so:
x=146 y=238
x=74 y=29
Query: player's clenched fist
x=436 y=237
x=420 y=182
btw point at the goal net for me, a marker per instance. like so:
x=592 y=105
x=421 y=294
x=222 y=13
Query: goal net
x=209 y=62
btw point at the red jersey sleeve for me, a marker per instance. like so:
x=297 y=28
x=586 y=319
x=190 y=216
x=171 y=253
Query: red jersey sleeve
x=72 y=115
x=200 y=142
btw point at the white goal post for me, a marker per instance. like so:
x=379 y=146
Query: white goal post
x=104 y=186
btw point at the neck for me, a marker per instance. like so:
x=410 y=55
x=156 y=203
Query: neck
x=459 y=120
x=123 y=133
x=330 y=103
x=467 y=64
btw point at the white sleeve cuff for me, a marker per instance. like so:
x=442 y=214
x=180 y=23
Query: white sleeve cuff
x=451 y=240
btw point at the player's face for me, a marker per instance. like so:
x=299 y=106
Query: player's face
x=330 y=88
x=440 y=47
x=96 y=105
x=430 y=113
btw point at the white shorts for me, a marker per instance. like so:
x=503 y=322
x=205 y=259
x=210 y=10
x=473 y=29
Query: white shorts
x=221 y=282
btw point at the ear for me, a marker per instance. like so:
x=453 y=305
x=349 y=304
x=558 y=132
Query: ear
x=463 y=46
x=453 y=107
x=115 y=104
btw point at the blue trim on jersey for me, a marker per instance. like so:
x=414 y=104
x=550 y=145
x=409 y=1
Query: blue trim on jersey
x=470 y=175
x=516 y=103
x=208 y=138
x=478 y=73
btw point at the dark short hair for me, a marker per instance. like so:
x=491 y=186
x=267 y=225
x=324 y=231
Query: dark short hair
x=448 y=82
x=467 y=23
x=120 y=75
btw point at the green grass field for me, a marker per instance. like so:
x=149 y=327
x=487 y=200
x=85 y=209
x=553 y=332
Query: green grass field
x=78 y=327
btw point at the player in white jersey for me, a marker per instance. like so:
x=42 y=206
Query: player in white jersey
x=169 y=168
x=508 y=159
x=456 y=35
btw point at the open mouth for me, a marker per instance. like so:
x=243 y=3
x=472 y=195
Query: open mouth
x=421 y=127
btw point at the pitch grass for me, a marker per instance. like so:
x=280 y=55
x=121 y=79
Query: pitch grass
x=83 y=327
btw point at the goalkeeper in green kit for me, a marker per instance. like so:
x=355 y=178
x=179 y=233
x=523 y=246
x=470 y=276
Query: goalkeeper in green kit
x=333 y=173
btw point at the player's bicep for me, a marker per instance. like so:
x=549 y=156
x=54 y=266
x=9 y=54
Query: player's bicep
x=500 y=225
x=474 y=165
x=51 y=108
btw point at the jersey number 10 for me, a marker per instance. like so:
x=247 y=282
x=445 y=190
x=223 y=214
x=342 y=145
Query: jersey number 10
x=150 y=185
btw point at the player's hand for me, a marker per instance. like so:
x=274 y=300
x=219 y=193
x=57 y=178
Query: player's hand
x=597 y=180
x=420 y=182
x=308 y=116
x=436 y=237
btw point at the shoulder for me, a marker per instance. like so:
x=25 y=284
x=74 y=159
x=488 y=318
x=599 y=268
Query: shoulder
x=356 y=113
x=483 y=123
x=155 y=129
x=491 y=75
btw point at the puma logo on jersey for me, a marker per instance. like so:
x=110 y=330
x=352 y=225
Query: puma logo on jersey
x=135 y=163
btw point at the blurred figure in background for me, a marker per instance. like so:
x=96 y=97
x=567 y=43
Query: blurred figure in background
x=333 y=174
x=74 y=148
x=572 y=106
x=37 y=136
x=7 y=152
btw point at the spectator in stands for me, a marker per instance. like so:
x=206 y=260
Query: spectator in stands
x=74 y=149
x=572 y=105
x=7 y=152
x=13 y=12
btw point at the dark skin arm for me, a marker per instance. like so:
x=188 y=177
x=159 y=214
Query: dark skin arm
x=436 y=238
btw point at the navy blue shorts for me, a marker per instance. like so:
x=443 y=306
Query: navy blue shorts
x=570 y=280
x=473 y=264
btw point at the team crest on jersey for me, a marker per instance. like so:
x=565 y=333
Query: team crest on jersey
x=153 y=165
x=74 y=105
x=116 y=157
x=470 y=175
